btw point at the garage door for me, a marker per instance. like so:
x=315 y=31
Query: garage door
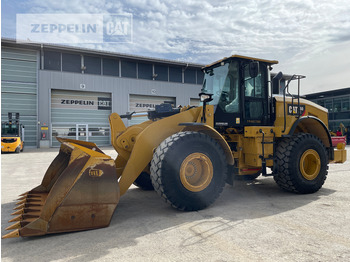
x=80 y=115
x=19 y=89
x=195 y=102
x=141 y=104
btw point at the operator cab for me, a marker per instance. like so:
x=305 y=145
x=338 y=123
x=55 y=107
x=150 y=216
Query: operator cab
x=239 y=87
x=10 y=130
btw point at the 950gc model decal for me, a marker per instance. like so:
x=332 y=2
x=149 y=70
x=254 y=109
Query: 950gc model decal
x=294 y=109
x=95 y=172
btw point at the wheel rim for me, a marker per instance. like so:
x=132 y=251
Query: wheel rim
x=196 y=172
x=310 y=164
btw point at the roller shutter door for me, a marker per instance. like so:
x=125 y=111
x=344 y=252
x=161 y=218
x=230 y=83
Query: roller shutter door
x=19 y=89
x=80 y=115
x=141 y=104
x=195 y=102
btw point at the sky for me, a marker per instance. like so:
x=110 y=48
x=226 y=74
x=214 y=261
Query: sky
x=308 y=37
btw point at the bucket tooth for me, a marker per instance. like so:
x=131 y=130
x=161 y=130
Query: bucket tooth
x=21 y=198
x=17 y=218
x=20 y=207
x=26 y=211
x=18 y=212
x=38 y=196
x=14 y=233
x=24 y=194
x=16 y=225
x=29 y=200
x=29 y=205
x=21 y=202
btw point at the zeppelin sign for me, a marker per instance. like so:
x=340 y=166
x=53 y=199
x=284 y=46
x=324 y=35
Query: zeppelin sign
x=90 y=103
x=77 y=102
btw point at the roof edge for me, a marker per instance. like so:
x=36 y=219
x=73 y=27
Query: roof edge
x=100 y=52
x=271 y=62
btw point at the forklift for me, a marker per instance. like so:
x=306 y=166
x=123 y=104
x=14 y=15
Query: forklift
x=12 y=134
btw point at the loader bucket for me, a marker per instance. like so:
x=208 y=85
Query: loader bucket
x=79 y=191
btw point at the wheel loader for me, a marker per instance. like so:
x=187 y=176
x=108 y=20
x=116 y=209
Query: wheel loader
x=244 y=127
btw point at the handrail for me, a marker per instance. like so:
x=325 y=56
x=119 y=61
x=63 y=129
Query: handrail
x=286 y=89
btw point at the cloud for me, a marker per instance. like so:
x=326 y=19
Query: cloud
x=325 y=70
x=293 y=32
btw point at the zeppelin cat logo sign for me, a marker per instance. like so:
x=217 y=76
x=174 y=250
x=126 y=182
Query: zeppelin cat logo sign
x=80 y=102
x=104 y=103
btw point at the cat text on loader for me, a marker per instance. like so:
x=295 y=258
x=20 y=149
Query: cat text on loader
x=187 y=155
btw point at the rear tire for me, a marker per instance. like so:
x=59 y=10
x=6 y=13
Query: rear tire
x=301 y=163
x=188 y=170
x=144 y=182
x=17 y=150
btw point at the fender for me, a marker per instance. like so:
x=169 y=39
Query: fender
x=316 y=127
x=203 y=128
x=147 y=141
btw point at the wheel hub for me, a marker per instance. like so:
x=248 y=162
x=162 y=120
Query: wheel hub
x=196 y=172
x=310 y=164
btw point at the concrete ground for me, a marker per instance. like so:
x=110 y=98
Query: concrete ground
x=251 y=221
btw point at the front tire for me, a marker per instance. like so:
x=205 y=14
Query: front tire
x=302 y=164
x=188 y=170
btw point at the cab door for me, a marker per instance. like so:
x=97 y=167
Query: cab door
x=255 y=92
x=228 y=112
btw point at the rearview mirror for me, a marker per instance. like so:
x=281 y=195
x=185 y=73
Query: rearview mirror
x=254 y=69
x=205 y=97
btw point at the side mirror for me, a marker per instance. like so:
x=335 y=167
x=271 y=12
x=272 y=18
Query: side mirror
x=205 y=98
x=254 y=69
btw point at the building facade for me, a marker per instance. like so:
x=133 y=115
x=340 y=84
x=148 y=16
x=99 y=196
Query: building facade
x=338 y=104
x=70 y=92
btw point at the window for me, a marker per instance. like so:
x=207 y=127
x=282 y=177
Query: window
x=345 y=104
x=320 y=102
x=223 y=82
x=328 y=103
x=337 y=105
x=92 y=64
x=128 y=69
x=253 y=86
x=200 y=77
x=52 y=60
x=175 y=74
x=161 y=72
x=255 y=94
x=110 y=67
x=145 y=71
x=71 y=63
x=190 y=76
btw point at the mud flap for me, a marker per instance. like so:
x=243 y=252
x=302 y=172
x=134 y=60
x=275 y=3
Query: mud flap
x=79 y=191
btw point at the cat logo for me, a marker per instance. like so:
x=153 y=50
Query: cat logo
x=95 y=172
x=296 y=110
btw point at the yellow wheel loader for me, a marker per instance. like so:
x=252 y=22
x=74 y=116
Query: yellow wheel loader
x=188 y=154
